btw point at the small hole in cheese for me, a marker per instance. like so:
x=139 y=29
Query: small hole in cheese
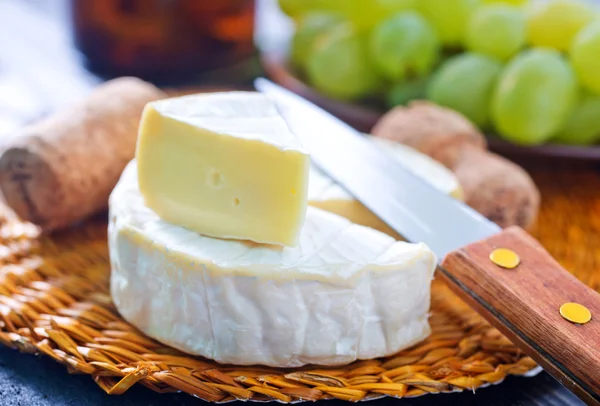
x=215 y=179
x=236 y=201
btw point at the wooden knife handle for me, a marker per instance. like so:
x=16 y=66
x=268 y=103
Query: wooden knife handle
x=523 y=303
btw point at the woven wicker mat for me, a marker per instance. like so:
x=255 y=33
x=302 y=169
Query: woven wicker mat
x=54 y=300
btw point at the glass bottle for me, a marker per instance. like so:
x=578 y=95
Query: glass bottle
x=164 y=41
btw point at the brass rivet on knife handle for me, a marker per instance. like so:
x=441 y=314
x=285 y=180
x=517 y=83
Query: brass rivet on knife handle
x=523 y=305
x=505 y=258
x=575 y=313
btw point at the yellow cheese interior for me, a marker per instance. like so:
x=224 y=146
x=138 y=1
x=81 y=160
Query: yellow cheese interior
x=229 y=186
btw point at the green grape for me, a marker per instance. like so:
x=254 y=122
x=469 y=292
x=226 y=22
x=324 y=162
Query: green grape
x=293 y=8
x=448 y=17
x=585 y=56
x=309 y=27
x=296 y=8
x=496 y=30
x=404 y=45
x=339 y=65
x=583 y=125
x=405 y=92
x=511 y=2
x=534 y=96
x=555 y=23
x=465 y=83
x=365 y=14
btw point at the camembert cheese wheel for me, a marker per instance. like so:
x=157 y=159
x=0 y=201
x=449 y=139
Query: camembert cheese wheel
x=346 y=292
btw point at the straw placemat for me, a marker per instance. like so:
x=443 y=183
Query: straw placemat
x=54 y=300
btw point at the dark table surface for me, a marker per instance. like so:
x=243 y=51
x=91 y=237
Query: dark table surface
x=27 y=380
x=39 y=70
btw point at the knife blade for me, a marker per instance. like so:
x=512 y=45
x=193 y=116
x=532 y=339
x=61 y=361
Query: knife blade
x=417 y=209
x=522 y=303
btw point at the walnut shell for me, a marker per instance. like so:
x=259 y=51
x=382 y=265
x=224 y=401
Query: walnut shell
x=434 y=130
x=497 y=188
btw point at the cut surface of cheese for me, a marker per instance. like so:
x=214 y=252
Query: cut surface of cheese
x=224 y=165
x=346 y=292
x=326 y=194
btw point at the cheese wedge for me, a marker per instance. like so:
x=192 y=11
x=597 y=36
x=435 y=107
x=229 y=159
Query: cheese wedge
x=325 y=194
x=346 y=292
x=224 y=165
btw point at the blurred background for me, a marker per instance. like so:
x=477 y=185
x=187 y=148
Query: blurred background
x=523 y=71
x=53 y=52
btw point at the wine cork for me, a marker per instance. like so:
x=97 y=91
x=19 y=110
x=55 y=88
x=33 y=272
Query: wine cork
x=62 y=169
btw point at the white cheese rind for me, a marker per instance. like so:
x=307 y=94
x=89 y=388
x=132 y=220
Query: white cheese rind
x=247 y=115
x=345 y=293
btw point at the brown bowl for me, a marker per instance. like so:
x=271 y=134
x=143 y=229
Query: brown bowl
x=363 y=117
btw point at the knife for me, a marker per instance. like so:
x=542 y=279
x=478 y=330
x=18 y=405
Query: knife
x=523 y=303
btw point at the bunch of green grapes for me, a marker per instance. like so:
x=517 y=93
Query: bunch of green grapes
x=528 y=70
